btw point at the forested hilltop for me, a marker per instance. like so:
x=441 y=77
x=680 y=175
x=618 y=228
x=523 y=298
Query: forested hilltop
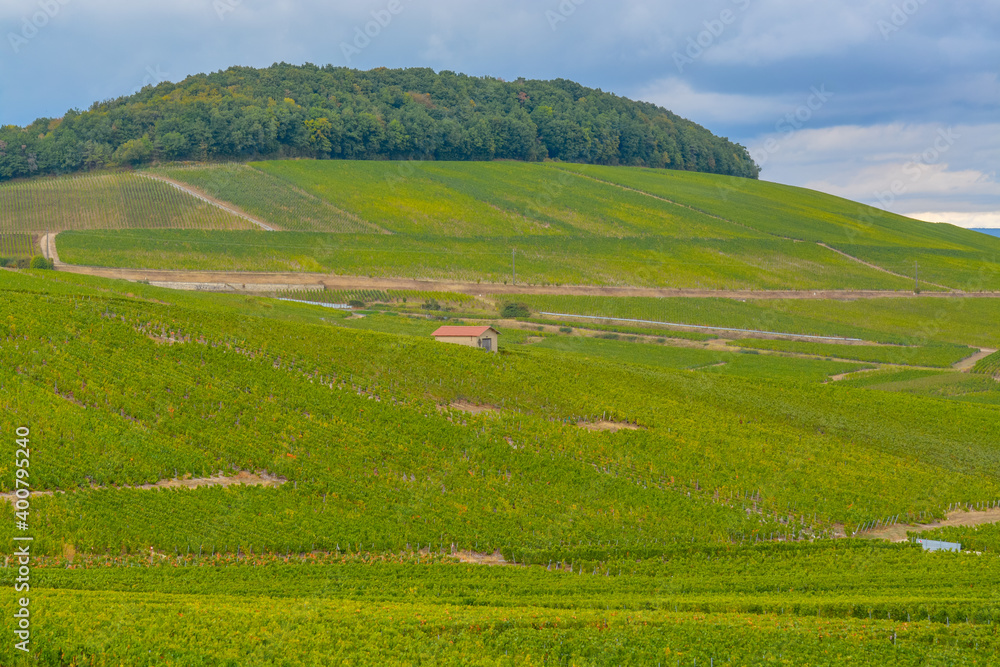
x=335 y=112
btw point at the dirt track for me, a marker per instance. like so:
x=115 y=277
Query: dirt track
x=260 y=282
x=205 y=197
x=241 y=478
x=967 y=364
x=898 y=532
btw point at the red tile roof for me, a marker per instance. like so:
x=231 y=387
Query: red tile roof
x=465 y=332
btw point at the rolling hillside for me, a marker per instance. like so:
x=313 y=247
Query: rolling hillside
x=587 y=496
x=563 y=224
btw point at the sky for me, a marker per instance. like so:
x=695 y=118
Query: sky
x=893 y=103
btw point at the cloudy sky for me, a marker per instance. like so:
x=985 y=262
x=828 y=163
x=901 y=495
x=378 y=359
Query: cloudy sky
x=890 y=102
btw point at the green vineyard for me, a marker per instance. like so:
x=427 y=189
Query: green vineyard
x=989 y=365
x=689 y=503
x=560 y=224
x=105 y=201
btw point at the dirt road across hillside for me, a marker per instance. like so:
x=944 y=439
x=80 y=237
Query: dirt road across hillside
x=242 y=478
x=205 y=197
x=897 y=533
x=246 y=281
x=966 y=365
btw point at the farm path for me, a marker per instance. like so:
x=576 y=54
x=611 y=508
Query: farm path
x=963 y=518
x=965 y=365
x=740 y=224
x=251 y=281
x=877 y=267
x=242 y=478
x=844 y=376
x=48 y=244
x=187 y=189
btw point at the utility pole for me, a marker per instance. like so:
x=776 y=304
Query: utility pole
x=513 y=267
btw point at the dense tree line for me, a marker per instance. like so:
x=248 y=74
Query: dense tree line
x=335 y=112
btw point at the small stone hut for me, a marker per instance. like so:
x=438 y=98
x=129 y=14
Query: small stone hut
x=486 y=338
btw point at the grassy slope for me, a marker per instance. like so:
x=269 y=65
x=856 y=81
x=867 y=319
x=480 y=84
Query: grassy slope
x=246 y=386
x=911 y=321
x=947 y=254
x=266 y=197
x=105 y=201
x=572 y=223
x=876 y=434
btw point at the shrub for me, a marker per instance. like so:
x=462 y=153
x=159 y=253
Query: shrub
x=566 y=330
x=513 y=310
x=39 y=262
x=354 y=303
x=431 y=304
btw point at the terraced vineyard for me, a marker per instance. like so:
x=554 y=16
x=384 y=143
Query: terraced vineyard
x=266 y=197
x=105 y=201
x=647 y=493
x=562 y=224
x=17 y=246
x=988 y=366
x=620 y=490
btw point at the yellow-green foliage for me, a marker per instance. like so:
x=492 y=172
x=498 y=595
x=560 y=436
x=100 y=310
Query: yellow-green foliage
x=268 y=198
x=106 y=201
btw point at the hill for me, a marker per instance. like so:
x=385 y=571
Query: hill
x=559 y=223
x=330 y=112
x=338 y=486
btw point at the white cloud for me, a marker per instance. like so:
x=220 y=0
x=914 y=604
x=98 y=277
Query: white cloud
x=961 y=219
x=935 y=172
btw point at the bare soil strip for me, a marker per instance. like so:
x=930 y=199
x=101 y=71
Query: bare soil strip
x=965 y=365
x=241 y=478
x=256 y=281
x=471 y=408
x=476 y=558
x=48 y=244
x=613 y=427
x=962 y=518
x=229 y=208
x=844 y=376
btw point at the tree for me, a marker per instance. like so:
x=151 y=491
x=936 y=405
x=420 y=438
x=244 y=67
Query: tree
x=172 y=145
x=135 y=151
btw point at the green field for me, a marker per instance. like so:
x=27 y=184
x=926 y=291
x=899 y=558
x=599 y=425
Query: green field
x=266 y=197
x=105 y=201
x=600 y=492
x=895 y=321
x=946 y=254
x=940 y=356
x=15 y=246
x=712 y=528
x=567 y=224
x=709 y=361
x=764 y=264
x=988 y=366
